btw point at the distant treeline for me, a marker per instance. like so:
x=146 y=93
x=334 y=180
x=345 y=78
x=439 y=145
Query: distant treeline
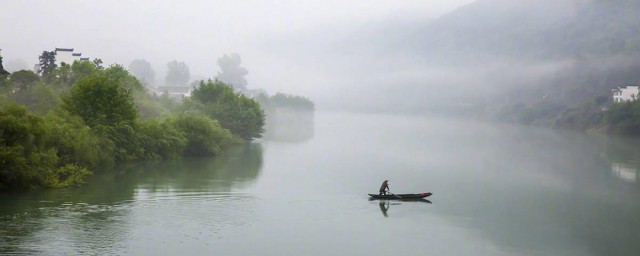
x=598 y=114
x=57 y=125
x=292 y=101
x=282 y=100
x=289 y=117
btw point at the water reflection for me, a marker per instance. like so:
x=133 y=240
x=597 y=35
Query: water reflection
x=386 y=204
x=289 y=125
x=98 y=216
x=625 y=172
x=563 y=190
x=622 y=153
x=239 y=167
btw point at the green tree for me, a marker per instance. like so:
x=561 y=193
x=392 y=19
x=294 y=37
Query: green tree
x=125 y=78
x=101 y=100
x=24 y=79
x=82 y=69
x=47 y=64
x=6 y=87
x=146 y=105
x=177 y=74
x=73 y=140
x=241 y=115
x=109 y=109
x=3 y=72
x=292 y=101
x=142 y=70
x=24 y=160
x=62 y=76
x=98 y=63
x=160 y=139
x=38 y=98
x=623 y=118
x=205 y=137
x=231 y=72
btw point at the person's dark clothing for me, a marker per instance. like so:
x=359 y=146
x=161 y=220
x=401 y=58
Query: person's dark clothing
x=384 y=187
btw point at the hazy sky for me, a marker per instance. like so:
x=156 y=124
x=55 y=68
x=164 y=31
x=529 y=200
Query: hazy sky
x=199 y=32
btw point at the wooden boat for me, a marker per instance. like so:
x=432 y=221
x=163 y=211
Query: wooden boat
x=400 y=196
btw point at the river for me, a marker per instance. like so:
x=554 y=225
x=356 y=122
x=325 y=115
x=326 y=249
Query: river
x=498 y=189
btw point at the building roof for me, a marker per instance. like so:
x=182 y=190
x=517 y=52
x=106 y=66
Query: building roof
x=625 y=86
x=64 y=49
x=76 y=54
x=84 y=58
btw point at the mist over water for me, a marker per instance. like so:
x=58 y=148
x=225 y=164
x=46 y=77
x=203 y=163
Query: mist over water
x=403 y=91
x=498 y=190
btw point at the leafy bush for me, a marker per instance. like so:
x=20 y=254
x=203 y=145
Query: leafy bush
x=24 y=160
x=161 y=139
x=241 y=115
x=73 y=140
x=204 y=136
x=101 y=100
x=67 y=175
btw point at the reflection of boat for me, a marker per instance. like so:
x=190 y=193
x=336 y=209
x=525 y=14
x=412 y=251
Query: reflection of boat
x=384 y=206
x=401 y=196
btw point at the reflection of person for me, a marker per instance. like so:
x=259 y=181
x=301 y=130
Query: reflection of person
x=384 y=207
x=384 y=188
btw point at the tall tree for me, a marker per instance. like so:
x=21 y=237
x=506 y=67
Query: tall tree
x=177 y=74
x=142 y=70
x=24 y=160
x=231 y=72
x=24 y=79
x=98 y=63
x=2 y=71
x=241 y=115
x=47 y=63
x=101 y=100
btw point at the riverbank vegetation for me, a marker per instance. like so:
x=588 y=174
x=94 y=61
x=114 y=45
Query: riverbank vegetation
x=290 y=118
x=599 y=114
x=58 y=125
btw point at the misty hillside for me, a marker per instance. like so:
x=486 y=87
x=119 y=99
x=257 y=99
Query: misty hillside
x=563 y=53
x=538 y=30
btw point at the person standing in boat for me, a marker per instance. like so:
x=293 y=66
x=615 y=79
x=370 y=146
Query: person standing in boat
x=384 y=188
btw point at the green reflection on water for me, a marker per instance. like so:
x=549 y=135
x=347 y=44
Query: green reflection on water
x=98 y=210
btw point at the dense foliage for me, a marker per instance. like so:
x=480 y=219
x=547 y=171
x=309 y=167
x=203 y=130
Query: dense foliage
x=101 y=100
x=56 y=127
x=3 y=72
x=243 y=116
x=623 y=118
x=204 y=136
x=47 y=63
x=291 y=101
x=597 y=114
x=27 y=159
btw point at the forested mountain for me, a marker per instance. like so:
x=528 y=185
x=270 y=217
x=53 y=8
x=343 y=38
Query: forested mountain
x=538 y=30
x=560 y=53
x=561 y=58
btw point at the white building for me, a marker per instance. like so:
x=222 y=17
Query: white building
x=626 y=93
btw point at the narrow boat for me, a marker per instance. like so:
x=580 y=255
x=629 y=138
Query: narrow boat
x=401 y=196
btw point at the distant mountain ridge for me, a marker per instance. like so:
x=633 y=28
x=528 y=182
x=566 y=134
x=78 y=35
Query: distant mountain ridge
x=530 y=29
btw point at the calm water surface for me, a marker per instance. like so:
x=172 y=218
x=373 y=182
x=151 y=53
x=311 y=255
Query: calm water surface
x=498 y=190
